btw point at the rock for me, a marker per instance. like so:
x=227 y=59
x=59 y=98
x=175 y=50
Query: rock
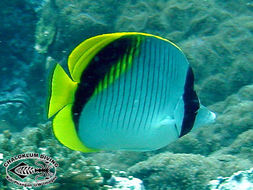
x=184 y=171
x=18 y=106
x=241 y=147
x=126 y=183
x=240 y=180
x=64 y=24
x=175 y=171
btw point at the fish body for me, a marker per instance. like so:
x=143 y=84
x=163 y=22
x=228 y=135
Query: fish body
x=128 y=91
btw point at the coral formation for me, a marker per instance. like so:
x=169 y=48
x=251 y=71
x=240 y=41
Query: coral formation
x=216 y=37
x=184 y=171
x=75 y=171
x=240 y=180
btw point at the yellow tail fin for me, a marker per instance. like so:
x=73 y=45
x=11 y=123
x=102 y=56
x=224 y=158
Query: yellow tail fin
x=62 y=91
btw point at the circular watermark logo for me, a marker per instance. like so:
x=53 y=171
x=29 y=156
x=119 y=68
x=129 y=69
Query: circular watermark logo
x=31 y=169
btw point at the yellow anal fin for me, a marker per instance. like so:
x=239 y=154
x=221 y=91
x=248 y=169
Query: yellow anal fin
x=65 y=131
x=62 y=91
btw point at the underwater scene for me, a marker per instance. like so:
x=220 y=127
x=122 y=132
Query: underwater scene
x=130 y=94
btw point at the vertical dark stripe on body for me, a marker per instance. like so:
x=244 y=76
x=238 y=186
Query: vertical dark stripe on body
x=162 y=75
x=172 y=64
x=129 y=92
x=191 y=104
x=112 y=98
x=140 y=62
x=124 y=89
x=133 y=99
x=105 y=97
x=158 y=63
x=118 y=91
x=152 y=78
x=134 y=63
x=146 y=64
x=167 y=62
x=96 y=71
x=98 y=101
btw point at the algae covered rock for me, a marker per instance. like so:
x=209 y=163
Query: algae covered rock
x=184 y=171
x=121 y=160
x=18 y=19
x=45 y=30
x=64 y=24
x=241 y=147
x=175 y=171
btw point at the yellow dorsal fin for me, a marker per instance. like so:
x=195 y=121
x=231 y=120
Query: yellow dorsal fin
x=62 y=91
x=84 y=52
x=65 y=132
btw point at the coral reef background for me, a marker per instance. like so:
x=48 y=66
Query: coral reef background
x=217 y=38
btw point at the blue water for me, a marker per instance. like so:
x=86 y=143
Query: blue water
x=217 y=39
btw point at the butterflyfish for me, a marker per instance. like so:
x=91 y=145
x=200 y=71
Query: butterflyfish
x=125 y=91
